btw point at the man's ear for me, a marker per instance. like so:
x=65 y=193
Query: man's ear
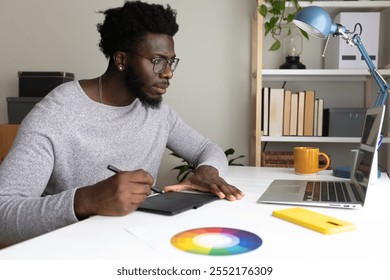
x=120 y=60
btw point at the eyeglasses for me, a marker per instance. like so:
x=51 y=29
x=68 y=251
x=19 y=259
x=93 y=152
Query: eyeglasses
x=160 y=63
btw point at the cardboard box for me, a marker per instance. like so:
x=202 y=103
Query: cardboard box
x=344 y=122
x=19 y=107
x=340 y=55
x=38 y=84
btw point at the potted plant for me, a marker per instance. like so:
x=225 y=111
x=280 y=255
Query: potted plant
x=276 y=14
x=188 y=168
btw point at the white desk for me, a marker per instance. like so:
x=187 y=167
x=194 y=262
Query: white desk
x=114 y=238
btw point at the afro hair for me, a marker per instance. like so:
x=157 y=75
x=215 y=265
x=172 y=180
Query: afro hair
x=124 y=27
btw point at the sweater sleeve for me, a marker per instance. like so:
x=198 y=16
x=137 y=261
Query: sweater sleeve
x=25 y=173
x=193 y=147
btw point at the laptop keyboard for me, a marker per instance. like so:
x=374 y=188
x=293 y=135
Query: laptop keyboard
x=326 y=191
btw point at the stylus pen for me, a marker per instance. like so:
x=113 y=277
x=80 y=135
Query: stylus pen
x=116 y=170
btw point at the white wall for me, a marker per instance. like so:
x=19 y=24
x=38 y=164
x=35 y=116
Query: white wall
x=211 y=86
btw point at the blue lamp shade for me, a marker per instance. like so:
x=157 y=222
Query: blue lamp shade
x=316 y=21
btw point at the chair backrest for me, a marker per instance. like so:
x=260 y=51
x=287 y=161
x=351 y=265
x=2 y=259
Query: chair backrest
x=7 y=135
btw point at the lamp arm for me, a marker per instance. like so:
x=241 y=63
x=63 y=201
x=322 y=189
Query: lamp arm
x=383 y=85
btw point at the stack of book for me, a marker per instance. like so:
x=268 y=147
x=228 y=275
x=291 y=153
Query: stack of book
x=285 y=113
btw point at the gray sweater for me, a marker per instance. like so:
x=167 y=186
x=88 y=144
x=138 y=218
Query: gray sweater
x=67 y=141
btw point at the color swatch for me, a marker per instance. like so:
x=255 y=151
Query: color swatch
x=216 y=241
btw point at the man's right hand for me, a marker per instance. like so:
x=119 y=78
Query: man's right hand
x=116 y=196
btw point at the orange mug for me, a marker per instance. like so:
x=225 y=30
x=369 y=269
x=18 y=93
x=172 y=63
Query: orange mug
x=307 y=160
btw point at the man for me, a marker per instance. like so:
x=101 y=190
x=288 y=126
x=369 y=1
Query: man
x=56 y=172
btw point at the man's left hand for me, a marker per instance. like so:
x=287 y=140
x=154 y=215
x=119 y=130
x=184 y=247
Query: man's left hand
x=207 y=179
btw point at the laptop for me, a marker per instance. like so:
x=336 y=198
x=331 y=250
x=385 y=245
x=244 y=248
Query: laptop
x=172 y=203
x=334 y=193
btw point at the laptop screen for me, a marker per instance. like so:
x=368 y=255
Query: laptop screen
x=368 y=145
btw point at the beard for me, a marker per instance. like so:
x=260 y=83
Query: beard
x=134 y=85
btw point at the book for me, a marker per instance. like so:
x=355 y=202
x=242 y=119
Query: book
x=294 y=114
x=308 y=127
x=315 y=131
x=287 y=112
x=265 y=110
x=301 y=112
x=276 y=101
x=320 y=117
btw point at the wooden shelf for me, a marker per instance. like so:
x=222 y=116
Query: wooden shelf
x=335 y=7
x=319 y=75
x=315 y=139
x=273 y=74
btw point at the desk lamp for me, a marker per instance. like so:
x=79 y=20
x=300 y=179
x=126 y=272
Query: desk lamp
x=316 y=21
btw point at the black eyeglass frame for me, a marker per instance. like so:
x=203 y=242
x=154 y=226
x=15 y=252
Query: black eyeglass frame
x=155 y=61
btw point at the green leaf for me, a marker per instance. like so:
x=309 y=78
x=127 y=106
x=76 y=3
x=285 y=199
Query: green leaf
x=263 y=10
x=177 y=168
x=275 y=46
x=188 y=168
x=229 y=152
x=304 y=34
x=290 y=17
x=175 y=155
x=296 y=4
x=276 y=10
x=273 y=21
x=231 y=162
x=266 y=28
x=278 y=6
x=181 y=177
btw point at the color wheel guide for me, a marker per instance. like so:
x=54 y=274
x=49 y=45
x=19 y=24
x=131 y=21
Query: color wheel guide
x=184 y=239
x=216 y=241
